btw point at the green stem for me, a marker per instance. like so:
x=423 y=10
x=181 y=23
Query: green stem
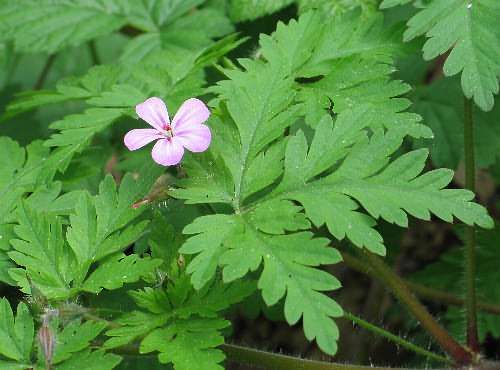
x=398 y=287
x=93 y=317
x=470 y=234
x=394 y=338
x=45 y=71
x=262 y=359
x=93 y=52
x=274 y=361
x=422 y=291
x=450 y=299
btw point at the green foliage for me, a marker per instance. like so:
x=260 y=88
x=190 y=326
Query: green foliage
x=182 y=324
x=112 y=91
x=470 y=30
x=332 y=7
x=101 y=227
x=355 y=71
x=367 y=176
x=188 y=344
x=350 y=162
x=50 y=26
x=40 y=249
x=76 y=336
x=441 y=106
x=241 y=10
x=16 y=335
x=19 y=171
x=102 y=250
x=447 y=271
x=71 y=349
x=288 y=260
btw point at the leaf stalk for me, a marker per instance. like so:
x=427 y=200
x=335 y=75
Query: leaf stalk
x=44 y=73
x=422 y=291
x=275 y=361
x=394 y=338
x=470 y=232
x=397 y=286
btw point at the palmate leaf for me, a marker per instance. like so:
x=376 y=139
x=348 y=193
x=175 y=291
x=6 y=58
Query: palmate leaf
x=470 y=29
x=345 y=177
x=181 y=324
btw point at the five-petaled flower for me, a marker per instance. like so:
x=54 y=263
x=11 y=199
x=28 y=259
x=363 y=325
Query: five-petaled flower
x=185 y=131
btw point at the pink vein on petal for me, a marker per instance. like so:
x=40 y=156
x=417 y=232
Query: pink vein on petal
x=137 y=138
x=167 y=152
x=192 y=112
x=195 y=138
x=154 y=112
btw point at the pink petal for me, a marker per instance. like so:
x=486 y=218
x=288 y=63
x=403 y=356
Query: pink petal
x=154 y=112
x=192 y=112
x=167 y=152
x=195 y=138
x=135 y=139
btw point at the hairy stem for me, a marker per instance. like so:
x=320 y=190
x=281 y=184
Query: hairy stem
x=45 y=71
x=394 y=338
x=398 y=287
x=422 y=291
x=470 y=233
x=274 y=361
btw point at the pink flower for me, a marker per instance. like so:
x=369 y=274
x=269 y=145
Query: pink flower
x=186 y=130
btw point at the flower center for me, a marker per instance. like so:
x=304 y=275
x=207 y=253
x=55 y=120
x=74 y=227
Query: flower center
x=167 y=131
